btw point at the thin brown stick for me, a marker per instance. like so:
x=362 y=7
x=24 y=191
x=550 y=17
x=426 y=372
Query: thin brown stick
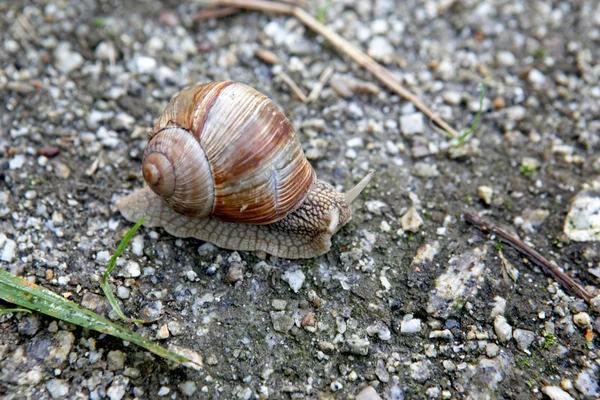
x=342 y=45
x=527 y=251
x=210 y=13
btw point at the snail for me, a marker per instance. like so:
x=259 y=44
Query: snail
x=224 y=165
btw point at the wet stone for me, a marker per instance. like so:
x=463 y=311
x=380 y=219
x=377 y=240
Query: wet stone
x=115 y=360
x=524 y=339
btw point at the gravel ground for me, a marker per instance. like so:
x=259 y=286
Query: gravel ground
x=410 y=301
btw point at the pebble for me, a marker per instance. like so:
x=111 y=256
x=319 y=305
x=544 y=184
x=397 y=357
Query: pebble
x=582 y=223
x=115 y=360
x=152 y=310
x=412 y=124
x=62 y=170
x=117 y=389
x=163 y=332
x=426 y=170
x=556 y=393
x=582 y=320
x=103 y=257
x=8 y=252
x=375 y=206
x=142 y=65
x=411 y=220
x=175 y=328
x=524 y=339
x=123 y=292
x=452 y=98
x=420 y=371
x=410 y=326
x=57 y=388
x=357 y=345
x=515 y=113
x=16 y=162
x=485 y=193
x=355 y=142
x=380 y=329
x=587 y=383
x=502 y=328
x=381 y=49
x=131 y=269
x=65 y=59
x=506 y=58
x=106 y=51
x=381 y=371
x=281 y=322
x=294 y=278
x=492 y=350
x=235 y=273
x=187 y=388
x=368 y=393
x=536 y=78
x=278 y=304
x=163 y=391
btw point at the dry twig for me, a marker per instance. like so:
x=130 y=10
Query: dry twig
x=342 y=45
x=527 y=251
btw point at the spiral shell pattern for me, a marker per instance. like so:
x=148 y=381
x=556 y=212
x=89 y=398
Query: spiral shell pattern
x=226 y=150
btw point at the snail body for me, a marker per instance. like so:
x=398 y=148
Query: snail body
x=224 y=165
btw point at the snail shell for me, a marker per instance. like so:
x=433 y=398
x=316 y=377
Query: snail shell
x=223 y=164
x=224 y=149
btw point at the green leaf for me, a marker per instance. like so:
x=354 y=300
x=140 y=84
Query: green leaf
x=14 y=310
x=33 y=297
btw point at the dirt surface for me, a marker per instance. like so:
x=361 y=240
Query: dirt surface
x=410 y=300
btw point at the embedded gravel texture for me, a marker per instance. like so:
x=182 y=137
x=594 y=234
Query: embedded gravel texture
x=410 y=302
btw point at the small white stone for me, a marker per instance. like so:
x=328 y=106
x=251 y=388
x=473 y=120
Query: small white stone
x=57 y=388
x=411 y=124
x=8 y=252
x=163 y=391
x=123 y=292
x=381 y=49
x=294 y=278
x=130 y=270
x=587 y=383
x=524 y=339
x=506 y=58
x=355 y=142
x=142 y=65
x=187 y=388
x=137 y=245
x=485 y=193
x=102 y=257
x=16 y=162
x=556 y=393
x=368 y=393
x=536 y=77
x=65 y=59
x=411 y=220
x=384 y=226
x=582 y=320
x=492 y=350
x=502 y=328
x=163 y=332
x=410 y=326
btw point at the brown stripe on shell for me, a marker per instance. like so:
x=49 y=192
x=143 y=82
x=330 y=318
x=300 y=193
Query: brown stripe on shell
x=259 y=168
x=190 y=108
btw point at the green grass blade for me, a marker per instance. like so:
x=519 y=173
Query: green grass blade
x=31 y=296
x=322 y=11
x=111 y=265
x=14 y=310
x=469 y=131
